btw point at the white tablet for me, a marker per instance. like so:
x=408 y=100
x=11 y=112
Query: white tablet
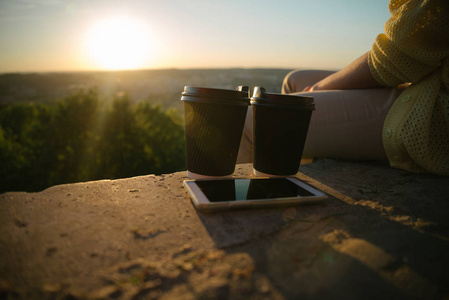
x=236 y=193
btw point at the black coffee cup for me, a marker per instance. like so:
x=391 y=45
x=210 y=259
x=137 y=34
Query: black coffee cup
x=280 y=125
x=214 y=120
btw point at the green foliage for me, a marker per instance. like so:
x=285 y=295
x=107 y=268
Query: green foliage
x=81 y=138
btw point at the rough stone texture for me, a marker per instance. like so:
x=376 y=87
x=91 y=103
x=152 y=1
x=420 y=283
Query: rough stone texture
x=382 y=234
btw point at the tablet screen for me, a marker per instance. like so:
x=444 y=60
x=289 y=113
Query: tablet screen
x=251 y=189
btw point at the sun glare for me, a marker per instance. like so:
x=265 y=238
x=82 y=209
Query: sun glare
x=119 y=43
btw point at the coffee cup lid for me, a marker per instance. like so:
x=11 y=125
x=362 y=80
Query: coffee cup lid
x=261 y=97
x=240 y=96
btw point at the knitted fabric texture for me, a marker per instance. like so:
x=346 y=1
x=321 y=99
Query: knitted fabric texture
x=415 y=49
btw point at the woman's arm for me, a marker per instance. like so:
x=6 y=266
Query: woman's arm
x=356 y=75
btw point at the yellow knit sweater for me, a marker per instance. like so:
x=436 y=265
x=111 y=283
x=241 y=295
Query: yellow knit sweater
x=415 y=49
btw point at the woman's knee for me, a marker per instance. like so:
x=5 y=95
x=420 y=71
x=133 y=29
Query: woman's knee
x=297 y=80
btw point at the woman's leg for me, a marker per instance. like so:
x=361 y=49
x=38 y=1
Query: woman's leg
x=348 y=124
x=245 y=154
x=345 y=124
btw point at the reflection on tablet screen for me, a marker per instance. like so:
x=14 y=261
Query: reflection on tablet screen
x=250 y=189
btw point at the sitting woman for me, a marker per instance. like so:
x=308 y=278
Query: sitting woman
x=392 y=102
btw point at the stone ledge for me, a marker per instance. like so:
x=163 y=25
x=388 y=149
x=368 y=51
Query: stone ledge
x=382 y=232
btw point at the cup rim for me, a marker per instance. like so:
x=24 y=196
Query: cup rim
x=205 y=92
x=261 y=97
x=215 y=95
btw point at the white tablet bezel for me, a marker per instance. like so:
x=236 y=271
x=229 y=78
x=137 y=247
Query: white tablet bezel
x=202 y=203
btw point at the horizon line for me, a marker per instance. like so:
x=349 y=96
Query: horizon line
x=149 y=69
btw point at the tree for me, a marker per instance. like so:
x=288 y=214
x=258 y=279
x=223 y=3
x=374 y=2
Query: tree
x=81 y=138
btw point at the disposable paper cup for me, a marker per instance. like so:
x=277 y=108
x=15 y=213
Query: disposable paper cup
x=280 y=125
x=214 y=120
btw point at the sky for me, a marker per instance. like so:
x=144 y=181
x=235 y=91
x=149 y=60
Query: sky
x=59 y=35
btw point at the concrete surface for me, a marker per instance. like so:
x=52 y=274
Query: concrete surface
x=382 y=234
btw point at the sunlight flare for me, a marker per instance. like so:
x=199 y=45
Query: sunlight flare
x=119 y=43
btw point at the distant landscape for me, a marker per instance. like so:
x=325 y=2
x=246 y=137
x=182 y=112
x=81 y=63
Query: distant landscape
x=155 y=86
x=58 y=128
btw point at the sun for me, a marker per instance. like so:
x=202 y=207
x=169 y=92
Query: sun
x=119 y=43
